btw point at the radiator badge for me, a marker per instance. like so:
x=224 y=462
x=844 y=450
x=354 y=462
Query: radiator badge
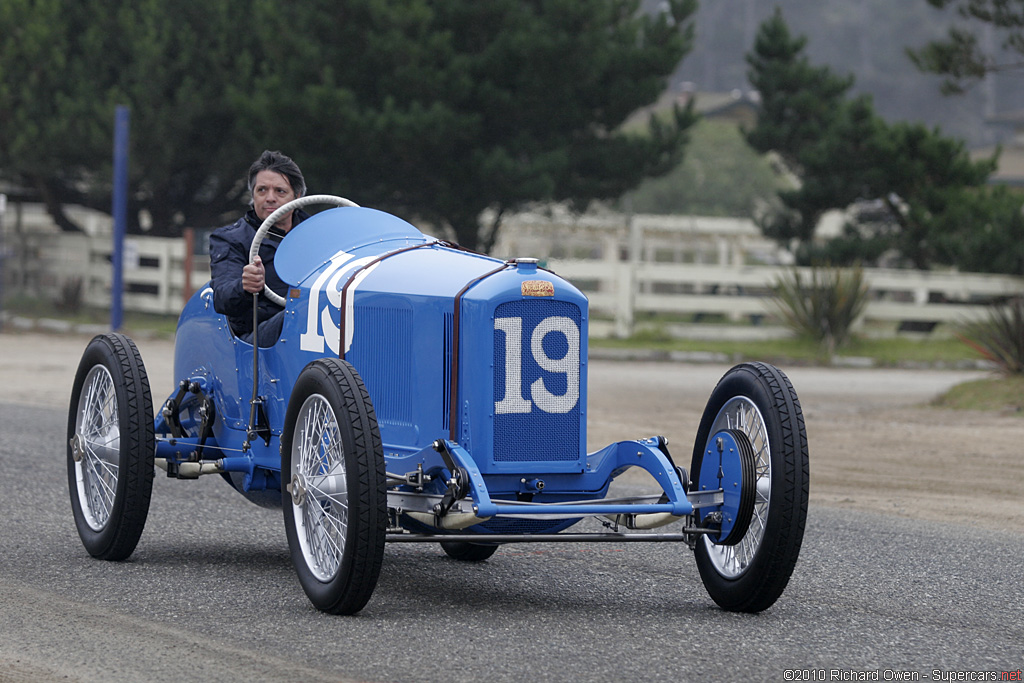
x=538 y=288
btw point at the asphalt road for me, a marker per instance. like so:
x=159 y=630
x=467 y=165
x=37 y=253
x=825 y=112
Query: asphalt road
x=210 y=595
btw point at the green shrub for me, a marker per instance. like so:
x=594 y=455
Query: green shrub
x=1000 y=337
x=823 y=307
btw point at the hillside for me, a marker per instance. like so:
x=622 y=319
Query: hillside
x=864 y=37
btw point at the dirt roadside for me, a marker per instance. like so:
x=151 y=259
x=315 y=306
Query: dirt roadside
x=875 y=443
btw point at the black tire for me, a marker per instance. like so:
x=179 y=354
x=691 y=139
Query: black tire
x=464 y=551
x=110 y=447
x=751 y=575
x=336 y=536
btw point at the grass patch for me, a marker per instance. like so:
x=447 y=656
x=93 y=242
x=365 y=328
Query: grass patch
x=902 y=350
x=1004 y=395
x=772 y=349
x=133 y=322
x=163 y=326
x=801 y=351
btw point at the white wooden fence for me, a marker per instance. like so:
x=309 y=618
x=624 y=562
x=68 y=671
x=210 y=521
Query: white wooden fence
x=630 y=267
x=899 y=300
x=693 y=268
x=155 y=277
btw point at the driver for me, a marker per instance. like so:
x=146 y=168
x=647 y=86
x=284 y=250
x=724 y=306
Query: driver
x=274 y=180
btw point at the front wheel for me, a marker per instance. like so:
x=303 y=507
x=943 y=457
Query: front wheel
x=750 y=573
x=335 y=503
x=110 y=447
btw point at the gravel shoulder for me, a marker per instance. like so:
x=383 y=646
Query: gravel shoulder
x=875 y=443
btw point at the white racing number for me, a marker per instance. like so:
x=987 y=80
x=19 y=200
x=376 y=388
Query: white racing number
x=320 y=325
x=569 y=365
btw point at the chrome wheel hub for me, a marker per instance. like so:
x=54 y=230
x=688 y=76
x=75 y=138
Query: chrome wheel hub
x=298 y=489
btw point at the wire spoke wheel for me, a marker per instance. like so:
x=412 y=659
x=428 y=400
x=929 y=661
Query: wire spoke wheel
x=335 y=504
x=322 y=517
x=757 y=400
x=110 y=447
x=99 y=443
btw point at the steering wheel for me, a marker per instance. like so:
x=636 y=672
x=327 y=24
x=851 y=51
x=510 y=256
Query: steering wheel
x=276 y=216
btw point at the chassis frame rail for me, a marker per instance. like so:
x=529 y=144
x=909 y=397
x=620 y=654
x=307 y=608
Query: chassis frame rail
x=489 y=539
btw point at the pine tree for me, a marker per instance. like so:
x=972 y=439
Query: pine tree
x=844 y=153
x=434 y=109
x=960 y=57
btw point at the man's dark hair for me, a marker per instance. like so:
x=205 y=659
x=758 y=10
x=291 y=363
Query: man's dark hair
x=279 y=163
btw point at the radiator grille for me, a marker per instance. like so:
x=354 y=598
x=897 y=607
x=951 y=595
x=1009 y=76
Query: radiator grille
x=537 y=381
x=382 y=352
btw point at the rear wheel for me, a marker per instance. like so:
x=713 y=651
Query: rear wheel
x=749 y=574
x=468 y=552
x=110 y=447
x=335 y=504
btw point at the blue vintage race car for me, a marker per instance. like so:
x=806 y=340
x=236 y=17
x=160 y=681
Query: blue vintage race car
x=423 y=393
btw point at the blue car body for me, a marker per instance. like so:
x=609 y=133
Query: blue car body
x=422 y=393
x=486 y=356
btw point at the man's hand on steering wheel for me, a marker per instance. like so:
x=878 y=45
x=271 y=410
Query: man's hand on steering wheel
x=269 y=221
x=254 y=276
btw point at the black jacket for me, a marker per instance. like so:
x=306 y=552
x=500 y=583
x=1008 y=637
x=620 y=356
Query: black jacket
x=229 y=253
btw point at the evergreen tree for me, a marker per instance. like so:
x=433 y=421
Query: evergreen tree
x=844 y=153
x=65 y=66
x=443 y=108
x=799 y=101
x=435 y=109
x=960 y=57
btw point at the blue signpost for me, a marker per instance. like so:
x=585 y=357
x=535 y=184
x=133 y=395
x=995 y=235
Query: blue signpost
x=3 y=254
x=120 y=213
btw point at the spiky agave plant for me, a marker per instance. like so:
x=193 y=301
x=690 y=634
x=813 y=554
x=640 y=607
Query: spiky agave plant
x=824 y=306
x=1000 y=336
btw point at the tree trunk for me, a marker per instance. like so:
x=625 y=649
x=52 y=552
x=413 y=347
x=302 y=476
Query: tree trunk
x=54 y=206
x=488 y=240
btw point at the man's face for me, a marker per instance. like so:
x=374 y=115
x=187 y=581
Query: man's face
x=270 y=191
